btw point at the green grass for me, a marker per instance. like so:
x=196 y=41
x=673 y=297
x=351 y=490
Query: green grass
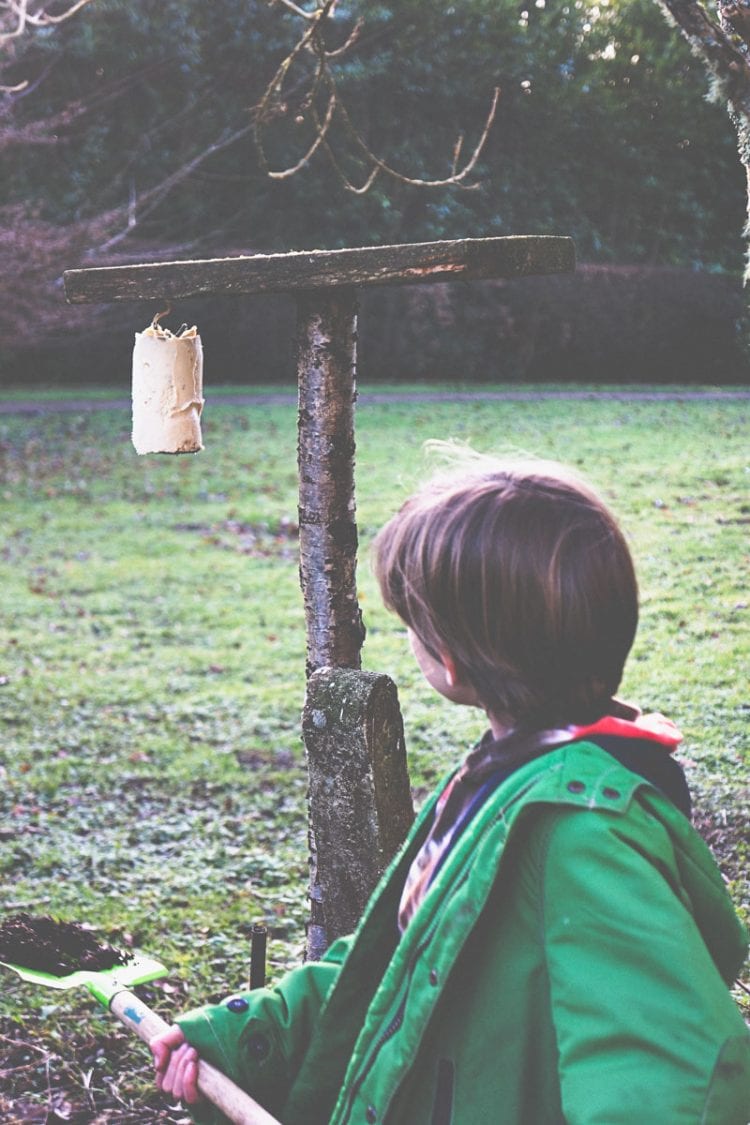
x=59 y=392
x=152 y=677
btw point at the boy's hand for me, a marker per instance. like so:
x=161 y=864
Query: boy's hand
x=176 y=1064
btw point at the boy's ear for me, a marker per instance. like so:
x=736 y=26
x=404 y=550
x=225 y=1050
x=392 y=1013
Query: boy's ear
x=452 y=676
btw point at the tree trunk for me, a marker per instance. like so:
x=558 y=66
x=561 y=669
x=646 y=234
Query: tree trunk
x=326 y=352
x=723 y=45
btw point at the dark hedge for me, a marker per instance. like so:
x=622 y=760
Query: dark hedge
x=602 y=324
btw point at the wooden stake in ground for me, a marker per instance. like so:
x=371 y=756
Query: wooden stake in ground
x=326 y=283
x=359 y=797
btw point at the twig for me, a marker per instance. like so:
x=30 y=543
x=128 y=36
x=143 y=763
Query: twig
x=9 y=1071
x=275 y=86
x=24 y=1043
x=271 y=106
x=43 y=19
x=456 y=178
x=319 y=139
x=152 y=198
x=348 y=42
x=19 y=9
x=297 y=10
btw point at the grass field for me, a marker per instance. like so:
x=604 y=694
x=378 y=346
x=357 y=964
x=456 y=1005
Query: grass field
x=152 y=677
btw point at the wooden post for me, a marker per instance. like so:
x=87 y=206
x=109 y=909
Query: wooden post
x=326 y=365
x=359 y=797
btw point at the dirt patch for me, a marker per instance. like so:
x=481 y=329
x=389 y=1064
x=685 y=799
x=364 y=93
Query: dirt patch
x=51 y=946
x=259 y=541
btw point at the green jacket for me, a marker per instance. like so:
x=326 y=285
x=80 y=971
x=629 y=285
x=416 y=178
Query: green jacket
x=569 y=964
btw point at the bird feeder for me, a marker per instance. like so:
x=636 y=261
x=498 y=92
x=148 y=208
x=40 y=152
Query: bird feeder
x=167 y=390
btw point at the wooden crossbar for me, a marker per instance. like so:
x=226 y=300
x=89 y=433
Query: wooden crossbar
x=468 y=259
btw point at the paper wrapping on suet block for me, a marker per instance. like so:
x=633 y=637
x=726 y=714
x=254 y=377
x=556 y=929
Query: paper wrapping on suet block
x=167 y=390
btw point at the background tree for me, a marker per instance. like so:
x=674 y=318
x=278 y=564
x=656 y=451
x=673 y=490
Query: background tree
x=720 y=36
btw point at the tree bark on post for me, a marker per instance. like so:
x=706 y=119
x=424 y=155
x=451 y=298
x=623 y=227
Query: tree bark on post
x=326 y=361
x=359 y=797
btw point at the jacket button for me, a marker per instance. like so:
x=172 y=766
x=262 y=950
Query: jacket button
x=611 y=794
x=576 y=787
x=433 y=976
x=237 y=1004
x=371 y=1114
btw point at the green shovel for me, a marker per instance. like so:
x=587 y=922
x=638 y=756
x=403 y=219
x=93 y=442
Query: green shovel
x=111 y=988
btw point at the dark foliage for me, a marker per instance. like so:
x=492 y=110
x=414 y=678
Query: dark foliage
x=603 y=324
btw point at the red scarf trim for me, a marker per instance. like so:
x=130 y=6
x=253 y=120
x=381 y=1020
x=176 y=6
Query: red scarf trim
x=652 y=728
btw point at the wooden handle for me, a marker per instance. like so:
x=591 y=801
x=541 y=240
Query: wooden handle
x=233 y=1102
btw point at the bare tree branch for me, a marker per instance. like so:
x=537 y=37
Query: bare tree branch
x=50 y=130
x=44 y=19
x=349 y=42
x=296 y=9
x=269 y=104
x=135 y=211
x=272 y=106
x=16 y=15
x=320 y=135
x=455 y=178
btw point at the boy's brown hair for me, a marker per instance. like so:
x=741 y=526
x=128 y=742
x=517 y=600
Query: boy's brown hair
x=520 y=573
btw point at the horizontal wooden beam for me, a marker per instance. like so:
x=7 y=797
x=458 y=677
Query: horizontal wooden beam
x=468 y=259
